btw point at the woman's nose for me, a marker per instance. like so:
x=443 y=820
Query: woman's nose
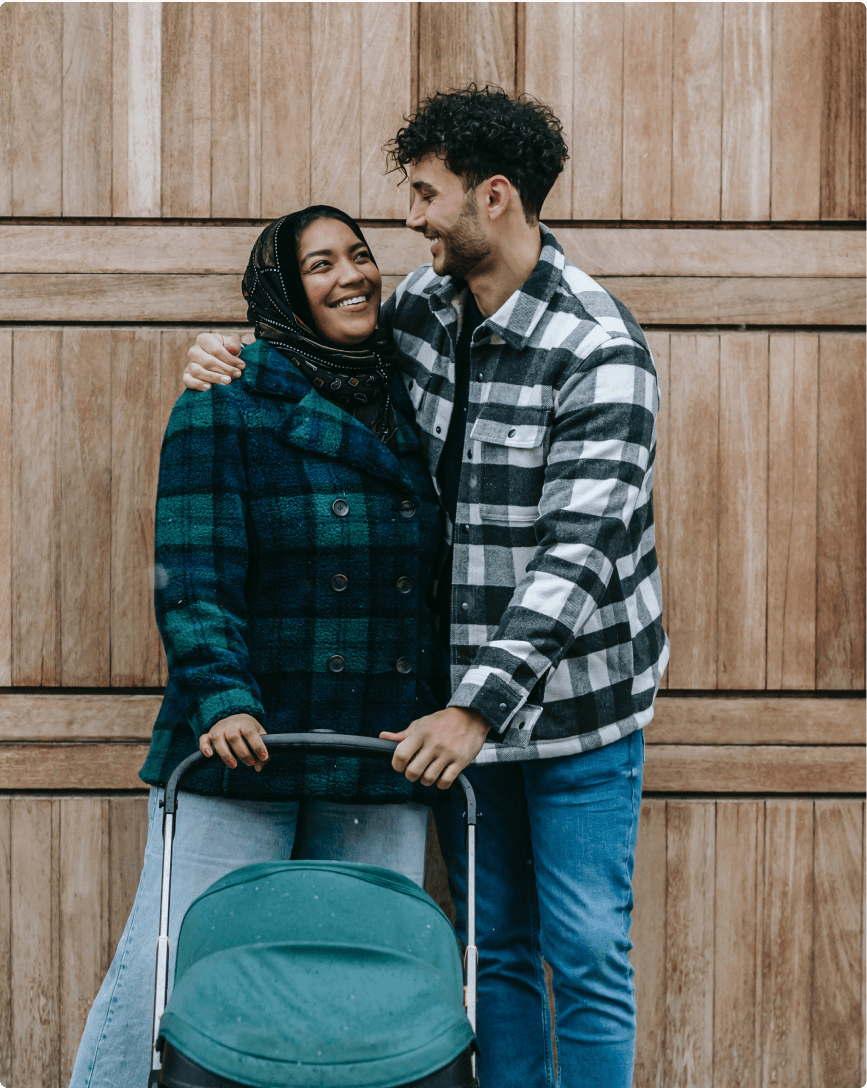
x=350 y=272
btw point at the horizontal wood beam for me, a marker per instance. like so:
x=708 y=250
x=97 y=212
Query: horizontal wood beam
x=598 y=251
x=688 y=768
x=713 y=720
x=655 y=300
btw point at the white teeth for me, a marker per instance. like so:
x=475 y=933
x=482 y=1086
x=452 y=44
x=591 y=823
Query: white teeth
x=351 y=301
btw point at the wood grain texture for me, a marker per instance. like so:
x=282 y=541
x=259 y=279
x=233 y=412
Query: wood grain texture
x=648 y=935
x=85 y=508
x=336 y=105
x=696 y=111
x=77 y=717
x=754 y=721
x=792 y=456
x=788 y=943
x=837 y=963
x=549 y=74
x=738 y=943
x=144 y=108
x=186 y=110
x=743 y=511
x=491 y=44
x=796 y=111
x=120 y=109
x=6 y=111
x=37 y=109
x=693 y=491
x=760 y=769
x=746 y=136
x=387 y=61
x=127 y=835
x=136 y=435
x=690 y=895
x=286 y=109
x=35 y=515
x=84 y=917
x=598 y=251
x=71 y=767
x=659 y=343
x=87 y=84
x=841 y=514
x=597 y=93
x=6 y=1035
x=442 y=47
x=647 y=110
x=5 y=505
x=230 y=109
x=843 y=63
x=35 y=996
x=256 y=78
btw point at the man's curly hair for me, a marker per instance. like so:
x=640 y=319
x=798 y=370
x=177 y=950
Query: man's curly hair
x=482 y=131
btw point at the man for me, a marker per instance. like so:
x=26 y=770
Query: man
x=536 y=397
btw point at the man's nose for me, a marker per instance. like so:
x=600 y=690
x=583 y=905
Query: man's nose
x=415 y=220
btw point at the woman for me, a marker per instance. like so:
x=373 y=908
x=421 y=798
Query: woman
x=296 y=533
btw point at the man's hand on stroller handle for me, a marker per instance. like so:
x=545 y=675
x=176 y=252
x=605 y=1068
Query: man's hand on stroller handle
x=436 y=748
x=236 y=738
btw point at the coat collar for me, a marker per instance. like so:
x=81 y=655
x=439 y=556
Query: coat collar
x=320 y=427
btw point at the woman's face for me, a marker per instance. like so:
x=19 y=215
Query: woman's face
x=343 y=285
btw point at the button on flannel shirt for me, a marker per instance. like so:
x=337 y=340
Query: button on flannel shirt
x=556 y=636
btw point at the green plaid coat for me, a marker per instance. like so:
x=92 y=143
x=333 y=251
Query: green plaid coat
x=294 y=553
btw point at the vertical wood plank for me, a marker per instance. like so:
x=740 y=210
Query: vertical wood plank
x=120 y=108
x=796 y=111
x=743 y=510
x=230 y=110
x=841 y=514
x=83 y=929
x=6 y=111
x=127 y=835
x=491 y=44
x=85 y=508
x=689 y=957
x=746 y=150
x=842 y=185
x=442 y=47
x=693 y=504
x=648 y=936
x=660 y=346
x=35 y=997
x=37 y=109
x=647 y=149
x=135 y=426
x=696 y=111
x=386 y=81
x=788 y=943
x=6 y=939
x=286 y=109
x=87 y=109
x=36 y=507
x=548 y=75
x=792 y=453
x=186 y=111
x=254 y=123
x=837 y=950
x=144 y=108
x=738 y=944
x=336 y=105
x=597 y=161
x=5 y=507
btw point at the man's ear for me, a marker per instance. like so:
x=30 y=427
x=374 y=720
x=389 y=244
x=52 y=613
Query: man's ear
x=499 y=193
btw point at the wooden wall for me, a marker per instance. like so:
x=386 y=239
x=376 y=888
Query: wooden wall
x=716 y=185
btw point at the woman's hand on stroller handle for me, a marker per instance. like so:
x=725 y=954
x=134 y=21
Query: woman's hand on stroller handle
x=236 y=738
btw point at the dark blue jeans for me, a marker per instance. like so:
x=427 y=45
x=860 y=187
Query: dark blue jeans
x=556 y=844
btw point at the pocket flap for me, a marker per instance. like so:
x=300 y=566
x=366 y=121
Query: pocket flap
x=522 y=436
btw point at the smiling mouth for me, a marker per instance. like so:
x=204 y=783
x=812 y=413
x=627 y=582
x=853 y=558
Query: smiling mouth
x=346 y=303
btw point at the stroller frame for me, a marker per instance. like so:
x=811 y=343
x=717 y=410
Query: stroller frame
x=325 y=742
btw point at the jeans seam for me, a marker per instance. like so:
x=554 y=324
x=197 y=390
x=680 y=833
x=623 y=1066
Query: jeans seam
x=536 y=954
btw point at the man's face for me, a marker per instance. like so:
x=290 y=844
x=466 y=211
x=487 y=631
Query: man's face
x=443 y=211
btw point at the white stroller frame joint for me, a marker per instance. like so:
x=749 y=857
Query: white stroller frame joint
x=323 y=741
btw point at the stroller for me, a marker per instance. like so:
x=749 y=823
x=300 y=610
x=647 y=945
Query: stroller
x=313 y=974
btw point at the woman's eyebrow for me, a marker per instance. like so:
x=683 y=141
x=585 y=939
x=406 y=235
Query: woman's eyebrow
x=329 y=252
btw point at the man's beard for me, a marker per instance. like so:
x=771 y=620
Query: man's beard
x=465 y=246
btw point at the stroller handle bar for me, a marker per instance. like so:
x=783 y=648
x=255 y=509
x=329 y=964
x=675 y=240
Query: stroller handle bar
x=322 y=741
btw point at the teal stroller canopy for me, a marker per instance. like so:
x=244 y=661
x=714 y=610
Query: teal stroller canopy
x=317 y=975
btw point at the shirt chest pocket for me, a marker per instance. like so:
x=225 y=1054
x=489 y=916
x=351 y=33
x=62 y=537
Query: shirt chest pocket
x=509 y=466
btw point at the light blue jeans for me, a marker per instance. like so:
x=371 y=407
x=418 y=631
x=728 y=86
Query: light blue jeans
x=214 y=836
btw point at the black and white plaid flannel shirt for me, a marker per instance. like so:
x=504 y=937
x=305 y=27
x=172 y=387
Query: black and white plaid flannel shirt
x=556 y=635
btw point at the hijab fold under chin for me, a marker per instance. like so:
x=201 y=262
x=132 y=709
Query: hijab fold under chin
x=355 y=378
